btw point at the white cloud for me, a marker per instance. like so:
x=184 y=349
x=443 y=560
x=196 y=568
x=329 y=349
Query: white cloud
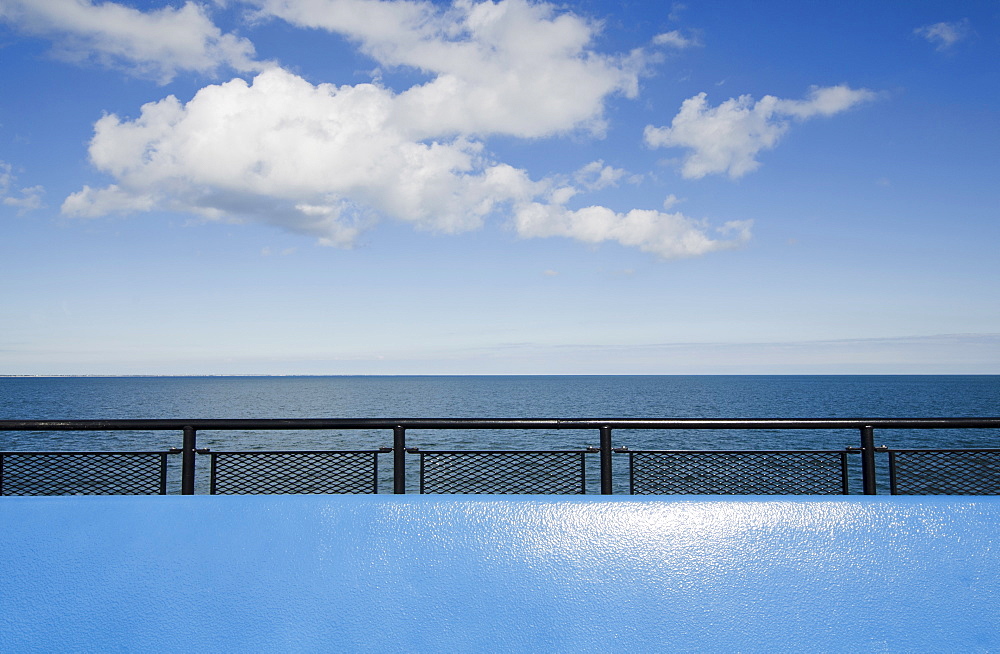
x=945 y=35
x=158 y=43
x=668 y=235
x=319 y=154
x=510 y=67
x=595 y=176
x=6 y=177
x=91 y=203
x=30 y=197
x=675 y=39
x=727 y=138
x=328 y=161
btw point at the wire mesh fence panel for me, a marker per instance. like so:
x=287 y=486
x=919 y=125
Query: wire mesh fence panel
x=503 y=472
x=738 y=473
x=83 y=473
x=944 y=472
x=250 y=473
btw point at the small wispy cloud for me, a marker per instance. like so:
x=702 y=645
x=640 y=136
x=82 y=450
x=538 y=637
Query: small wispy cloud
x=945 y=35
x=727 y=138
x=675 y=39
x=668 y=235
x=26 y=199
x=595 y=176
x=675 y=11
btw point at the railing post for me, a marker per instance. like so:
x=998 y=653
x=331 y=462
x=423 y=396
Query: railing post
x=187 y=461
x=868 y=459
x=398 y=460
x=605 y=460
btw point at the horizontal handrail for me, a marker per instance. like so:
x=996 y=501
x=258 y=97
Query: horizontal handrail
x=168 y=424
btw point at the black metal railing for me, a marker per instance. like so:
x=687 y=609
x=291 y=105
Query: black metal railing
x=495 y=471
x=944 y=472
x=502 y=472
x=300 y=471
x=83 y=473
x=758 y=472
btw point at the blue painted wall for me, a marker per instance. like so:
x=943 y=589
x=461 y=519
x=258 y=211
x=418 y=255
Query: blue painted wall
x=477 y=573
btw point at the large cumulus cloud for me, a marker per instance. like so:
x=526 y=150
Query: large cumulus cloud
x=329 y=161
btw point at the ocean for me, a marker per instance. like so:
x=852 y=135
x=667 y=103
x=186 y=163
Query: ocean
x=798 y=396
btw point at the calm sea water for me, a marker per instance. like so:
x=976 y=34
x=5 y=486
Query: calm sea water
x=909 y=396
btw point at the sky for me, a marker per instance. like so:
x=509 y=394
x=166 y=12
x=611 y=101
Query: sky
x=512 y=187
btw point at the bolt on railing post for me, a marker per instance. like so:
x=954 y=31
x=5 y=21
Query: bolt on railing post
x=187 y=461
x=398 y=460
x=605 y=460
x=868 y=459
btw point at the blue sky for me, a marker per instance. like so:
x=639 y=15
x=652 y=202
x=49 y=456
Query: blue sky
x=390 y=187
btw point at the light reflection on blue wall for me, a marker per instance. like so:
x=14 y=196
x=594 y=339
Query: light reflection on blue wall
x=488 y=573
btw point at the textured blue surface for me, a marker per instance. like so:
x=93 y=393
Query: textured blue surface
x=473 y=573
